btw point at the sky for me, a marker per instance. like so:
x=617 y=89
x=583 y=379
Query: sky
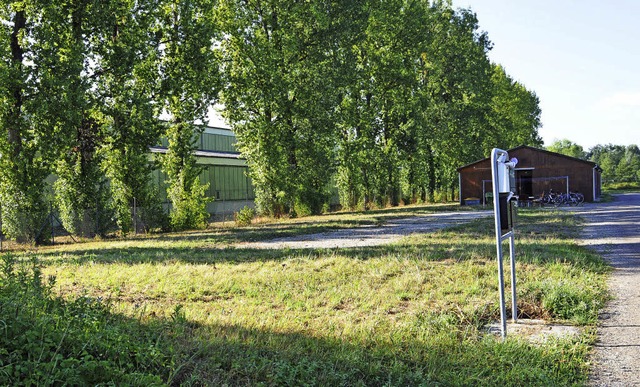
x=581 y=58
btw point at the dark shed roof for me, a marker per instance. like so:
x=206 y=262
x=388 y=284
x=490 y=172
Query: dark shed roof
x=590 y=163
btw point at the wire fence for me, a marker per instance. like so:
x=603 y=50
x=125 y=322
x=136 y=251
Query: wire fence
x=103 y=222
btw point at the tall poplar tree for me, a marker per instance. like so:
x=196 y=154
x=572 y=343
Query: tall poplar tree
x=280 y=96
x=23 y=143
x=190 y=83
x=127 y=85
x=64 y=51
x=515 y=113
x=380 y=105
x=459 y=90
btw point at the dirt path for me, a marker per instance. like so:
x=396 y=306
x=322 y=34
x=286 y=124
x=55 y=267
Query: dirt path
x=372 y=235
x=613 y=229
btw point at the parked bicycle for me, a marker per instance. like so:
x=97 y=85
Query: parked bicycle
x=549 y=197
x=560 y=199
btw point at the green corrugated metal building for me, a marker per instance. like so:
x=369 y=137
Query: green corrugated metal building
x=223 y=168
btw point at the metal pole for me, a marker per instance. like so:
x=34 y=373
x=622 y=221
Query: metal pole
x=496 y=212
x=135 y=220
x=512 y=254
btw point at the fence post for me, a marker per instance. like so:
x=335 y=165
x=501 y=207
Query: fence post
x=135 y=218
x=53 y=232
x=97 y=218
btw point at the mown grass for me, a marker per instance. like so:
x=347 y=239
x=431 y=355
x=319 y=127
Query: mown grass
x=410 y=313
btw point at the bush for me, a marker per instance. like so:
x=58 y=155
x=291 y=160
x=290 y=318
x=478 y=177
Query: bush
x=189 y=209
x=49 y=341
x=245 y=216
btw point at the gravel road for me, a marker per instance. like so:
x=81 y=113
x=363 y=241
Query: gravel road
x=372 y=235
x=613 y=229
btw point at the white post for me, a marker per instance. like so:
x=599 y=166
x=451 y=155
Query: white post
x=496 y=211
x=460 y=187
x=500 y=166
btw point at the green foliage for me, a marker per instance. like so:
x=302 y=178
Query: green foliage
x=47 y=341
x=515 y=113
x=567 y=148
x=623 y=187
x=24 y=153
x=190 y=85
x=190 y=206
x=245 y=216
x=620 y=164
x=127 y=51
x=389 y=97
x=24 y=210
x=82 y=197
x=280 y=63
x=385 y=98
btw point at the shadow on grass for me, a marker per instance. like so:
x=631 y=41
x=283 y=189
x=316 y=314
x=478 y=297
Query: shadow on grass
x=254 y=233
x=102 y=347
x=240 y=355
x=236 y=355
x=414 y=209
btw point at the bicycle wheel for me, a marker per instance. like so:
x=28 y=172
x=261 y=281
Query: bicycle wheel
x=558 y=200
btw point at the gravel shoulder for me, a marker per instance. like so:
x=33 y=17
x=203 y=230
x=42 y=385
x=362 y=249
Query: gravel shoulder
x=613 y=230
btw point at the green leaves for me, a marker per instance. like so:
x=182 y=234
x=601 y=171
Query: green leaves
x=280 y=95
x=390 y=96
x=619 y=164
x=189 y=86
x=382 y=98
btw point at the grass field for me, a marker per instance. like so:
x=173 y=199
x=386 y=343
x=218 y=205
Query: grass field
x=195 y=309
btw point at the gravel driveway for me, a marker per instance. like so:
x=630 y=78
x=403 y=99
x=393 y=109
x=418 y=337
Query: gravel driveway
x=372 y=235
x=613 y=229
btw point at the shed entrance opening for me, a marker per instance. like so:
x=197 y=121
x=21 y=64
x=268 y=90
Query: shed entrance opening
x=524 y=183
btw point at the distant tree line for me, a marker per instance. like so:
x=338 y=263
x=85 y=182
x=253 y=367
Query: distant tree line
x=619 y=163
x=383 y=99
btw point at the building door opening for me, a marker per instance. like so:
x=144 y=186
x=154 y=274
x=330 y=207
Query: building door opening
x=524 y=183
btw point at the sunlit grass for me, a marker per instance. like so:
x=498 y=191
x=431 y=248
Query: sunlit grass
x=408 y=313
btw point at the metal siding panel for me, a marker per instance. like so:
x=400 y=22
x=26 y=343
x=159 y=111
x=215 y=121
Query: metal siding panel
x=238 y=183
x=218 y=180
x=227 y=183
x=211 y=191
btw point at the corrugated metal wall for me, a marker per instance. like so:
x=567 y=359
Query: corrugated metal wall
x=210 y=142
x=217 y=142
x=226 y=182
